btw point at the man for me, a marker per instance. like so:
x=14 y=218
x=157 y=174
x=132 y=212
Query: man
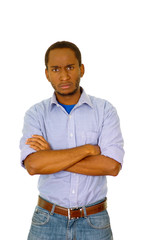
x=73 y=141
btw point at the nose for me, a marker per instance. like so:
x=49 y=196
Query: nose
x=64 y=75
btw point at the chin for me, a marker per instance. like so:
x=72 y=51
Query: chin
x=67 y=93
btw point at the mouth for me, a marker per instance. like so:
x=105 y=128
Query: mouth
x=65 y=85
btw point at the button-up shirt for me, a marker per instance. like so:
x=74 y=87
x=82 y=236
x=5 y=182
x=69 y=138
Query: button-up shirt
x=92 y=121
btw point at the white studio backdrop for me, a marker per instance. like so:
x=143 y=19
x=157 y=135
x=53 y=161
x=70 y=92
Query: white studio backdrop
x=119 y=44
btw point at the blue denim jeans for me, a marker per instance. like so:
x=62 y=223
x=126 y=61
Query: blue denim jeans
x=52 y=226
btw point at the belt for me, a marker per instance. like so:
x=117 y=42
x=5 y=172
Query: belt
x=72 y=213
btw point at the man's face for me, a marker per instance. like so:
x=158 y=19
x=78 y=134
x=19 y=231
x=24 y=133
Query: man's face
x=64 y=72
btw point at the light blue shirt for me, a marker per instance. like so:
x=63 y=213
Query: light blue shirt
x=91 y=121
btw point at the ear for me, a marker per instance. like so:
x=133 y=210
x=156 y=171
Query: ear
x=82 y=70
x=47 y=74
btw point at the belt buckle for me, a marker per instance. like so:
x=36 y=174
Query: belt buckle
x=69 y=213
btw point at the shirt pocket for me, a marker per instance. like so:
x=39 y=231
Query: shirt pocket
x=91 y=137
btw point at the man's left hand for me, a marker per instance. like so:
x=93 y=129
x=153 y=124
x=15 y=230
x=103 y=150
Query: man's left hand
x=38 y=143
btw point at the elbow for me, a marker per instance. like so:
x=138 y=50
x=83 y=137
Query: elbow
x=115 y=169
x=31 y=171
x=29 y=165
x=112 y=167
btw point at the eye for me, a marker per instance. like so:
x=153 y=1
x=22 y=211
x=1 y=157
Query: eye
x=55 y=70
x=70 y=68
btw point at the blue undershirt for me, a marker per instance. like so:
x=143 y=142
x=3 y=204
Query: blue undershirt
x=68 y=108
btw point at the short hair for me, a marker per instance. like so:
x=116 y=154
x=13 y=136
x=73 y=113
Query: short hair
x=64 y=44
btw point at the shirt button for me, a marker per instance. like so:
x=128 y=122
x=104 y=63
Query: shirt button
x=70 y=116
x=73 y=191
x=71 y=134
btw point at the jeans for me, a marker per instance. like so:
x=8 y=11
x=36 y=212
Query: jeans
x=52 y=226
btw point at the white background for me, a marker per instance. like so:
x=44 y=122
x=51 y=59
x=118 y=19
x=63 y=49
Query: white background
x=119 y=41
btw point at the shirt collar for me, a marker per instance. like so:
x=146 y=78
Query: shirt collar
x=84 y=99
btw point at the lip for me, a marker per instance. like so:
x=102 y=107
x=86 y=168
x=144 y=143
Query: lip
x=65 y=85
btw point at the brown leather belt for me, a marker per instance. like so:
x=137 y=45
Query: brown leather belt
x=72 y=213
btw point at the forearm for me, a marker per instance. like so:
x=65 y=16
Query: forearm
x=96 y=166
x=51 y=161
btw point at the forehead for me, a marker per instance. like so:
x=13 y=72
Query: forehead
x=62 y=56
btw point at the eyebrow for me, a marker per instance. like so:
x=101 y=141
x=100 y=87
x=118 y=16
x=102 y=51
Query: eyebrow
x=65 y=66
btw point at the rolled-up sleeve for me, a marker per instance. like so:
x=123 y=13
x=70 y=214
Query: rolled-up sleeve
x=110 y=139
x=31 y=126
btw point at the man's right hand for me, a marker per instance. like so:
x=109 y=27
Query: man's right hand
x=94 y=150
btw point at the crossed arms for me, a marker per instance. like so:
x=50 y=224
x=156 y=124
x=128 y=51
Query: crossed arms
x=85 y=159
